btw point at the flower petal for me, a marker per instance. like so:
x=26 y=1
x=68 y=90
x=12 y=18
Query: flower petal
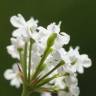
x=8 y=74
x=17 y=21
x=15 y=82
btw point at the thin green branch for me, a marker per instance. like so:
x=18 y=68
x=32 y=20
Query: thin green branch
x=30 y=57
x=25 y=60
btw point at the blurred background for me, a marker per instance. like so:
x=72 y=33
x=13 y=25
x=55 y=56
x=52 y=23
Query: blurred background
x=78 y=20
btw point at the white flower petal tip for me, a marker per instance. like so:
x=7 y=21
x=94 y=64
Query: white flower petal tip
x=53 y=27
x=65 y=38
x=17 y=21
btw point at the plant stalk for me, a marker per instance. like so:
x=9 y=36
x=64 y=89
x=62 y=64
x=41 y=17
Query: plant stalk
x=25 y=91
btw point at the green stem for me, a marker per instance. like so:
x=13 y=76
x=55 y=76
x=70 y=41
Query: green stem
x=30 y=56
x=25 y=61
x=52 y=70
x=21 y=58
x=46 y=53
x=56 y=67
x=25 y=91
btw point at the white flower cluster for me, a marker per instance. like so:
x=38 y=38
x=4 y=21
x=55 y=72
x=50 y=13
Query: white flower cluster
x=42 y=58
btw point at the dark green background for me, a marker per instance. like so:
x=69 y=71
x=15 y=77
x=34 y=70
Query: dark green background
x=79 y=20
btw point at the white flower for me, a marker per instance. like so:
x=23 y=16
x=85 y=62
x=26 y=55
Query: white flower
x=78 y=62
x=48 y=42
x=13 y=51
x=58 y=83
x=36 y=57
x=17 y=43
x=71 y=83
x=56 y=56
x=53 y=27
x=53 y=59
x=25 y=29
x=73 y=60
x=70 y=91
x=62 y=37
x=14 y=76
